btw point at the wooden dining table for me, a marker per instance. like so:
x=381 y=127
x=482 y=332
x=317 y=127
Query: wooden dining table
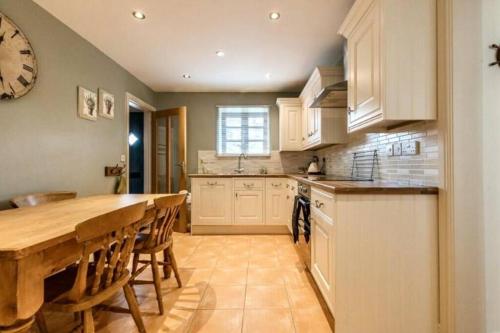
x=37 y=241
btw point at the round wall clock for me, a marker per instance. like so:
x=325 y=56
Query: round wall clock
x=18 y=67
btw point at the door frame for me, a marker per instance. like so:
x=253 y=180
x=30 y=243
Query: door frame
x=136 y=102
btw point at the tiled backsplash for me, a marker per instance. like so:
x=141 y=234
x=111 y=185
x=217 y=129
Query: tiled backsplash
x=421 y=169
x=284 y=162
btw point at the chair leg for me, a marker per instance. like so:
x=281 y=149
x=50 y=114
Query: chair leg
x=40 y=321
x=88 y=321
x=167 y=271
x=174 y=266
x=135 y=263
x=157 y=281
x=134 y=308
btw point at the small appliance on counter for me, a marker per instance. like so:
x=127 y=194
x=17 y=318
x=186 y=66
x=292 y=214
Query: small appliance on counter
x=314 y=167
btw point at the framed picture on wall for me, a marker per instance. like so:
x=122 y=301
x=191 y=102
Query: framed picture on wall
x=87 y=104
x=106 y=104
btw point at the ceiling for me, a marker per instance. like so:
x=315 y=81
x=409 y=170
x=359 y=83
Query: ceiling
x=182 y=36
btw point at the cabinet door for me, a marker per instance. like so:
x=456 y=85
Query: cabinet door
x=276 y=206
x=322 y=251
x=249 y=207
x=364 y=93
x=304 y=126
x=290 y=129
x=211 y=201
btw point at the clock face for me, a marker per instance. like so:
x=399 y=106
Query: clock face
x=17 y=61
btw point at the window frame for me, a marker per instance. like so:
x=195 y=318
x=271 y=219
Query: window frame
x=266 y=129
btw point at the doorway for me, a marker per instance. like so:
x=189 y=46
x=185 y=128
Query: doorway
x=169 y=153
x=136 y=151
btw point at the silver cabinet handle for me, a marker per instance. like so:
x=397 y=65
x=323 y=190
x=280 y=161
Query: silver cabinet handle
x=351 y=109
x=319 y=204
x=275 y=185
x=293 y=188
x=211 y=184
x=236 y=195
x=287 y=185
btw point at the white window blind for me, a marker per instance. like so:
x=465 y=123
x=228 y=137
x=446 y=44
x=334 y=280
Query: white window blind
x=242 y=129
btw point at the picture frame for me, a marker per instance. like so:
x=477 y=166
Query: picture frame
x=87 y=104
x=106 y=104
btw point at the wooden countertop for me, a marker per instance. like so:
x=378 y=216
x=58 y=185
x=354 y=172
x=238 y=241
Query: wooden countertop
x=344 y=187
x=29 y=229
x=366 y=187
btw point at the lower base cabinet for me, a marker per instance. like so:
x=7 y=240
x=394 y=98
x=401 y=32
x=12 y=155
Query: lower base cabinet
x=249 y=207
x=242 y=201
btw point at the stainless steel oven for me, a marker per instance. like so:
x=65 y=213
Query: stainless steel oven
x=301 y=224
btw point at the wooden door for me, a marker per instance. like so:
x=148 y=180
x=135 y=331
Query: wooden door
x=169 y=155
x=364 y=93
x=249 y=207
x=211 y=204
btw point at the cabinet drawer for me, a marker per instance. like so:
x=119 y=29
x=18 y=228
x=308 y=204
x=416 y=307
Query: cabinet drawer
x=323 y=202
x=276 y=183
x=249 y=183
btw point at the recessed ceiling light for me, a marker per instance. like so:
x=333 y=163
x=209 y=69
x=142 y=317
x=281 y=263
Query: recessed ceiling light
x=274 y=16
x=186 y=76
x=268 y=76
x=220 y=53
x=139 y=15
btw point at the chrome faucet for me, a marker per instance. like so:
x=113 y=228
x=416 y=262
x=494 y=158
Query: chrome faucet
x=240 y=169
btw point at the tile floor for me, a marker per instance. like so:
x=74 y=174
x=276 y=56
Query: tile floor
x=231 y=284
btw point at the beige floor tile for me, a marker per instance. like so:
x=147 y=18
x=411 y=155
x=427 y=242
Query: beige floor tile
x=303 y=298
x=263 y=262
x=265 y=297
x=223 y=297
x=265 y=276
x=310 y=321
x=174 y=321
x=295 y=277
x=200 y=261
x=217 y=321
x=232 y=262
x=229 y=276
x=191 y=277
x=268 y=321
x=184 y=298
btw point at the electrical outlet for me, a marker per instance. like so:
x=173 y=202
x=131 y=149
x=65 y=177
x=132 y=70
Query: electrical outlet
x=411 y=148
x=389 y=150
x=396 y=148
x=123 y=158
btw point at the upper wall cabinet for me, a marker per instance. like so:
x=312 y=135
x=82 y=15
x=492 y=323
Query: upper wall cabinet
x=392 y=62
x=290 y=110
x=322 y=126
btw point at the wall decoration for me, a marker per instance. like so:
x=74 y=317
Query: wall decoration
x=87 y=104
x=106 y=104
x=18 y=67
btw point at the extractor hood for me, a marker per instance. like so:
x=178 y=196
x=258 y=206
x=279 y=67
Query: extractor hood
x=333 y=96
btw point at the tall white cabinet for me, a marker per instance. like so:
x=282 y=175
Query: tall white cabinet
x=290 y=113
x=391 y=62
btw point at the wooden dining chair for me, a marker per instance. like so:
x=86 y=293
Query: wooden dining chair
x=107 y=242
x=159 y=238
x=35 y=199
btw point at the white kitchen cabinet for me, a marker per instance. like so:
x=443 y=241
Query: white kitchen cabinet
x=212 y=201
x=249 y=207
x=323 y=245
x=391 y=62
x=290 y=121
x=276 y=201
x=324 y=126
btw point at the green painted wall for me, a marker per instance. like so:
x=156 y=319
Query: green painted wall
x=44 y=145
x=202 y=116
